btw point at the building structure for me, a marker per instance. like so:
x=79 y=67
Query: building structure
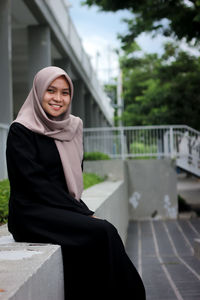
x=38 y=33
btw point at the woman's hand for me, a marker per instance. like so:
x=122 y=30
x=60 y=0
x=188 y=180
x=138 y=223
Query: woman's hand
x=93 y=216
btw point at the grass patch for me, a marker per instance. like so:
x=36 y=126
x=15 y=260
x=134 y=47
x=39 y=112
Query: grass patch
x=89 y=179
x=96 y=156
x=4 y=196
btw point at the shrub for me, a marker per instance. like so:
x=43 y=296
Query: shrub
x=140 y=148
x=96 y=156
x=183 y=205
x=4 y=196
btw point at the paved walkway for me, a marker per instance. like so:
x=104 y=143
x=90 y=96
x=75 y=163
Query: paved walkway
x=162 y=251
x=189 y=188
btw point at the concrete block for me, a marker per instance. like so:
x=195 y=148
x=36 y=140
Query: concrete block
x=30 y=271
x=113 y=169
x=152 y=188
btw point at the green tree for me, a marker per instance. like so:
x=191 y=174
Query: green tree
x=161 y=90
x=177 y=18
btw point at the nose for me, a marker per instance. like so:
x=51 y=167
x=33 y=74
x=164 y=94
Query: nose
x=57 y=97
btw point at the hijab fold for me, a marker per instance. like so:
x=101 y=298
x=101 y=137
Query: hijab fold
x=66 y=130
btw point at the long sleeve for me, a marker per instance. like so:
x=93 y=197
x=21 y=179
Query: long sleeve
x=28 y=176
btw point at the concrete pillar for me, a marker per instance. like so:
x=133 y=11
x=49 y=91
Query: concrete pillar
x=101 y=119
x=6 y=102
x=96 y=115
x=65 y=64
x=88 y=110
x=92 y=112
x=78 y=102
x=39 y=50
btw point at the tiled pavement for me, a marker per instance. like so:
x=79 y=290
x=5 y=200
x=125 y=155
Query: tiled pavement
x=162 y=252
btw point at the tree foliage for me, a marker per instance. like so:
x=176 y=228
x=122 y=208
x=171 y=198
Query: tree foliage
x=177 y=18
x=161 y=90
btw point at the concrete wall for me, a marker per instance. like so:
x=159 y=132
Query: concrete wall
x=152 y=189
x=113 y=169
x=109 y=200
x=35 y=271
x=151 y=184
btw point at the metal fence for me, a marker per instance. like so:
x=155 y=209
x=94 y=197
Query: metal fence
x=181 y=143
x=177 y=142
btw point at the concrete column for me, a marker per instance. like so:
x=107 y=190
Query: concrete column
x=88 y=110
x=39 y=50
x=78 y=102
x=96 y=115
x=105 y=123
x=6 y=102
x=65 y=64
x=101 y=119
x=92 y=112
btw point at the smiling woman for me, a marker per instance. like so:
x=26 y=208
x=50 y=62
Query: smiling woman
x=44 y=159
x=57 y=97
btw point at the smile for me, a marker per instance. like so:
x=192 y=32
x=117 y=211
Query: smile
x=55 y=106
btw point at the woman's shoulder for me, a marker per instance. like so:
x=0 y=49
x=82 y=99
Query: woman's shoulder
x=78 y=123
x=18 y=128
x=76 y=119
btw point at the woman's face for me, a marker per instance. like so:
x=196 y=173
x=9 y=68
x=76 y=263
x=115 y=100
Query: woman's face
x=57 y=97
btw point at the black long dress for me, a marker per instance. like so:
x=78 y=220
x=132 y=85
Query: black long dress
x=41 y=209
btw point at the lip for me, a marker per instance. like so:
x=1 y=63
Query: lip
x=55 y=106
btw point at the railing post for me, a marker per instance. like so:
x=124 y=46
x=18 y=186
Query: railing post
x=122 y=143
x=171 y=135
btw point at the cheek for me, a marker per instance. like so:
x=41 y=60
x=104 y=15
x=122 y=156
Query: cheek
x=67 y=102
x=46 y=98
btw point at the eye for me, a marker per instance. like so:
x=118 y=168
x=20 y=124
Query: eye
x=50 y=90
x=65 y=93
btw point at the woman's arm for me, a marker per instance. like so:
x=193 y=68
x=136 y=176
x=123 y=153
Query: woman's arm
x=25 y=169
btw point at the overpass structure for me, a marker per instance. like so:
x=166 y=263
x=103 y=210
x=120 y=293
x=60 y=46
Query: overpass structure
x=38 y=33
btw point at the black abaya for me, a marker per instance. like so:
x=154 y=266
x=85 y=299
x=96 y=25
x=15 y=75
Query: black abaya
x=96 y=265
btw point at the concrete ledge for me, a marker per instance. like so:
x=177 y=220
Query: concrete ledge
x=29 y=271
x=109 y=201
x=35 y=271
x=197 y=248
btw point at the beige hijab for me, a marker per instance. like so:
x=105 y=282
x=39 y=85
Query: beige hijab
x=66 y=130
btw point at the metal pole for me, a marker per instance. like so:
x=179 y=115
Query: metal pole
x=122 y=143
x=119 y=96
x=171 y=143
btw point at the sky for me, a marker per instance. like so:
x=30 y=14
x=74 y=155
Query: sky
x=98 y=32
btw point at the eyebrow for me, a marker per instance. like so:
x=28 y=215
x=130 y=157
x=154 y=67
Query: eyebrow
x=51 y=86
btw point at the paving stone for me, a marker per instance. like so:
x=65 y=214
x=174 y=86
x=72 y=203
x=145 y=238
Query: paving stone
x=169 y=269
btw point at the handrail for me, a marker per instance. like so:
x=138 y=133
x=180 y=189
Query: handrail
x=140 y=127
x=179 y=142
x=4 y=126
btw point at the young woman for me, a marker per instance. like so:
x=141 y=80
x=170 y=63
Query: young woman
x=44 y=158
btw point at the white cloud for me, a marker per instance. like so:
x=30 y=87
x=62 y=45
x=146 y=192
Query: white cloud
x=103 y=57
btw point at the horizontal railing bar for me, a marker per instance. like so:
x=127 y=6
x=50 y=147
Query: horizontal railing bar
x=140 y=127
x=4 y=126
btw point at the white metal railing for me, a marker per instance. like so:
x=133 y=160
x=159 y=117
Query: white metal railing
x=178 y=142
x=3 y=138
